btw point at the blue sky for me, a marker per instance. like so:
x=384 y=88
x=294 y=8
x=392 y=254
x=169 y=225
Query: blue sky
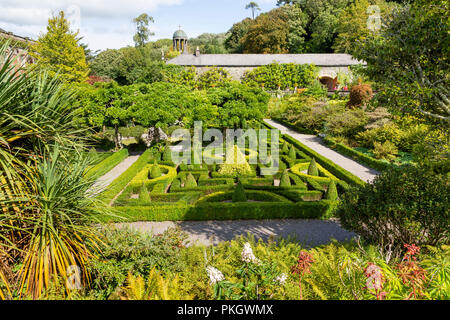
x=108 y=23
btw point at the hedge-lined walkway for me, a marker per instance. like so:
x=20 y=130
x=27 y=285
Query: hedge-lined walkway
x=104 y=181
x=364 y=173
x=309 y=233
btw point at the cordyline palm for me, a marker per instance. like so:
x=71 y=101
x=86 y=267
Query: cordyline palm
x=44 y=200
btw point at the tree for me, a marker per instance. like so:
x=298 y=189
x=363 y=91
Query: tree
x=143 y=33
x=254 y=6
x=209 y=43
x=60 y=52
x=409 y=59
x=239 y=193
x=320 y=20
x=233 y=41
x=268 y=34
x=352 y=23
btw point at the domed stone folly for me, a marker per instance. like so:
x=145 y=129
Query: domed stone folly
x=180 y=41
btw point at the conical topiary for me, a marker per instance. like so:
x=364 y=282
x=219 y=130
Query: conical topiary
x=175 y=184
x=285 y=148
x=332 y=193
x=285 y=180
x=239 y=193
x=312 y=169
x=155 y=172
x=190 y=181
x=292 y=153
x=144 y=195
x=235 y=163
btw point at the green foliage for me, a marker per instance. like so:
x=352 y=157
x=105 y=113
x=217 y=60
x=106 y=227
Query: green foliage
x=142 y=31
x=285 y=181
x=130 y=252
x=285 y=148
x=239 y=193
x=331 y=193
x=352 y=23
x=407 y=205
x=209 y=43
x=412 y=49
x=356 y=155
x=144 y=195
x=235 y=163
x=347 y=123
x=155 y=171
x=312 y=168
x=274 y=76
x=60 y=52
x=337 y=171
x=190 y=181
x=292 y=153
x=233 y=41
x=267 y=34
x=387 y=150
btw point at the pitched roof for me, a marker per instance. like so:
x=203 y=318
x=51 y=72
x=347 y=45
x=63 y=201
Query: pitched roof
x=254 y=60
x=10 y=35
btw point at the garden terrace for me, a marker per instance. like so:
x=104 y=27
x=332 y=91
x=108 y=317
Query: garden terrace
x=155 y=189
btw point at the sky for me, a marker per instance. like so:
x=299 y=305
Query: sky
x=107 y=24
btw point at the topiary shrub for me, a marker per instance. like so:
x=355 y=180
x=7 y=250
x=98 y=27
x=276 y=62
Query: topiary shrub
x=155 y=171
x=176 y=184
x=360 y=95
x=312 y=169
x=144 y=195
x=331 y=193
x=292 y=153
x=235 y=163
x=190 y=181
x=407 y=205
x=285 y=148
x=285 y=180
x=239 y=193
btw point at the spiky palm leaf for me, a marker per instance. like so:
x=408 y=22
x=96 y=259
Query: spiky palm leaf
x=45 y=206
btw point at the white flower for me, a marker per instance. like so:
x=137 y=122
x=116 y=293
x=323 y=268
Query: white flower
x=281 y=279
x=248 y=256
x=214 y=275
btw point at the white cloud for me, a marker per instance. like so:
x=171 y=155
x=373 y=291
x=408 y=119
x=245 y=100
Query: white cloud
x=102 y=23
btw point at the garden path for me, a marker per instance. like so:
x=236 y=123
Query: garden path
x=105 y=180
x=314 y=142
x=309 y=233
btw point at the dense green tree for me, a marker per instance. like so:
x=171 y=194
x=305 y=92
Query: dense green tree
x=60 y=51
x=143 y=33
x=409 y=59
x=209 y=43
x=268 y=34
x=234 y=36
x=320 y=21
x=352 y=23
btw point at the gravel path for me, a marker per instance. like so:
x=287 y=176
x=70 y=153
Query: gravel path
x=364 y=173
x=104 y=181
x=308 y=232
